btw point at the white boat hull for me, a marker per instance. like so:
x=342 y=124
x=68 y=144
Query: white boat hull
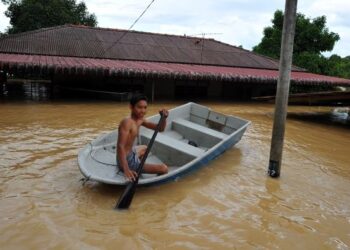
x=213 y=133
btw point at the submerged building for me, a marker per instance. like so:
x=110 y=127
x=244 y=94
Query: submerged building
x=162 y=66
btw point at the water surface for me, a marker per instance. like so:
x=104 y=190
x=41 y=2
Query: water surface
x=231 y=203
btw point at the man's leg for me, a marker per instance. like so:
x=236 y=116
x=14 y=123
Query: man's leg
x=150 y=168
x=141 y=150
x=155 y=168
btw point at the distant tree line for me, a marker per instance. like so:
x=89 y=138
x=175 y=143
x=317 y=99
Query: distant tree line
x=312 y=37
x=26 y=15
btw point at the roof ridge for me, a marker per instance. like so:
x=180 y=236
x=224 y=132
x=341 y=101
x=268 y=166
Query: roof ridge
x=118 y=30
x=34 y=31
x=136 y=31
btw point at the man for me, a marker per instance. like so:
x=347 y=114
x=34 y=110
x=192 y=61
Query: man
x=128 y=155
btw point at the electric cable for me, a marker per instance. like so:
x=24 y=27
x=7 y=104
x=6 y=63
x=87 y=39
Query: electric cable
x=137 y=19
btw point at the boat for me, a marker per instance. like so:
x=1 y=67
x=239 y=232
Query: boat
x=337 y=98
x=194 y=136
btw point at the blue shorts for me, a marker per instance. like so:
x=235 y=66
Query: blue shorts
x=132 y=160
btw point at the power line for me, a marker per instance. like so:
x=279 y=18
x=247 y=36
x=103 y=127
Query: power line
x=137 y=19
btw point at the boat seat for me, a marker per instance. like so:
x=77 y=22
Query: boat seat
x=174 y=143
x=200 y=128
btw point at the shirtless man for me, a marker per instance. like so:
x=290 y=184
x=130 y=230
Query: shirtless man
x=128 y=155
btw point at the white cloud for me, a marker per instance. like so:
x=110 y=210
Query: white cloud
x=238 y=22
x=234 y=21
x=4 y=21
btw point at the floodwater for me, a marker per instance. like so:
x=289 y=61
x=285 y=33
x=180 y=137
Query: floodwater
x=229 y=204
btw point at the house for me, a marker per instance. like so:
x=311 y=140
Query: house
x=160 y=65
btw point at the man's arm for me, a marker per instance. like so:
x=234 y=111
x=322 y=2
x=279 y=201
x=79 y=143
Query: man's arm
x=153 y=126
x=123 y=134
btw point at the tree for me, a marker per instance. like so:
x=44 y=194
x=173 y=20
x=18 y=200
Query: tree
x=338 y=66
x=311 y=36
x=29 y=15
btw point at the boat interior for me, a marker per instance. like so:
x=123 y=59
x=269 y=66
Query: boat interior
x=189 y=135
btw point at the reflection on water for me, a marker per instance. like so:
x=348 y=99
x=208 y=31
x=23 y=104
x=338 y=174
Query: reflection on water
x=231 y=203
x=26 y=90
x=43 y=90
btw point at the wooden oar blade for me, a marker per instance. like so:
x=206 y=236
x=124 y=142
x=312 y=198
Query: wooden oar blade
x=126 y=198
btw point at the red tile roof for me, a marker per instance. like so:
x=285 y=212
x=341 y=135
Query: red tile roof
x=72 y=65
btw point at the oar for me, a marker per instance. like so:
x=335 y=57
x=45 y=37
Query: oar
x=126 y=197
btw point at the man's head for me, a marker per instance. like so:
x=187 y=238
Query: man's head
x=138 y=105
x=136 y=98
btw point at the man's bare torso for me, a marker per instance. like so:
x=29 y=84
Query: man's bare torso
x=127 y=132
x=134 y=126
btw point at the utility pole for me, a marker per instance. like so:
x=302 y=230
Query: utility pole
x=283 y=83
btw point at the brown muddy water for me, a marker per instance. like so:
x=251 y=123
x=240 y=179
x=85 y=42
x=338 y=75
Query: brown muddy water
x=231 y=203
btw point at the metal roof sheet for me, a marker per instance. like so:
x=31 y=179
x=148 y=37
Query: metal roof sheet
x=83 y=41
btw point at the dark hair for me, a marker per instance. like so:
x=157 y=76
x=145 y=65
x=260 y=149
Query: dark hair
x=136 y=98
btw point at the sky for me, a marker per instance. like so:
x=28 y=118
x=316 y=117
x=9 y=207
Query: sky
x=236 y=22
